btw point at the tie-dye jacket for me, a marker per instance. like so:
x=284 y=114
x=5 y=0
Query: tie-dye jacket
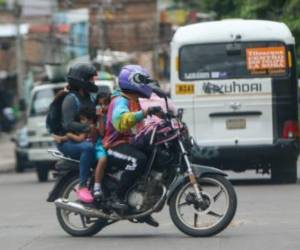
x=123 y=117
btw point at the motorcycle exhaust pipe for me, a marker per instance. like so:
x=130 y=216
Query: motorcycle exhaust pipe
x=92 y=212
x=81 y=209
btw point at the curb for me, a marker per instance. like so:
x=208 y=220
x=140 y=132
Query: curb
x=7 y=161
x=7 y=168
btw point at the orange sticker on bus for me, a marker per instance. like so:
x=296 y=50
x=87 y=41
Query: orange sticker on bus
x=266 y=58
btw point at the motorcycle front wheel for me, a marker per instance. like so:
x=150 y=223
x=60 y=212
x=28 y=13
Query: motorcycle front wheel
x=207 y=217
x=73 y=223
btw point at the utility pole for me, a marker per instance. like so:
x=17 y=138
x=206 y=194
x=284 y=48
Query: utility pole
x=100 y=20
x=104 y=6
x=19 y=52
x=156 y=41
x=98 y=41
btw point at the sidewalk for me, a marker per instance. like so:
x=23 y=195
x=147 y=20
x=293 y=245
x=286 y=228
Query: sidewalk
x=7 y=157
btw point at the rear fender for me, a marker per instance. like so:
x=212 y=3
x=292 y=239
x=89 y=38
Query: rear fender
x=59 y=184
x=200 y=171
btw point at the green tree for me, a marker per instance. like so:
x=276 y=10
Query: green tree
x=221 y=8
x=189 y=4
x=291 y=17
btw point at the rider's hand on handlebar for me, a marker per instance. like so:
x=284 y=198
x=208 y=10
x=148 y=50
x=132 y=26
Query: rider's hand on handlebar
x=155 y=110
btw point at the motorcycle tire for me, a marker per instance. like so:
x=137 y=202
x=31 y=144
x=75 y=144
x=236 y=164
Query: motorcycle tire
x=89 y=231
x=215 y=229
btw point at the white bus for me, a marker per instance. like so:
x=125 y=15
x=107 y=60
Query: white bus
x=237 y=81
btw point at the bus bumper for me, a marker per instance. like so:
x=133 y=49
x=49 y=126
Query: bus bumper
x=243 y=157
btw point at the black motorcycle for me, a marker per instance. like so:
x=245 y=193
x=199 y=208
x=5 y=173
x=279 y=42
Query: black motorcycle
x=202 y=202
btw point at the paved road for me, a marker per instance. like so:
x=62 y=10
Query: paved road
x=268 y=217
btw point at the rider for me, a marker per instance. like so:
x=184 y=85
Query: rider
x=124 y=118
x=81 y=83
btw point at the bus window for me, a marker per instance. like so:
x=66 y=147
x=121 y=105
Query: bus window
x=232 y=60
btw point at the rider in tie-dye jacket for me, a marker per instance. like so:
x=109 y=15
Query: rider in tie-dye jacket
x=124 y=118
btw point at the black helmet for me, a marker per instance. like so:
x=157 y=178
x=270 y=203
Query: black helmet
x=80 y=76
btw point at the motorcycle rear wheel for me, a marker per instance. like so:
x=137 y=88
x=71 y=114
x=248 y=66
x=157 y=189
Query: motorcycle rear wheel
x=191 y=225
x=86 y=229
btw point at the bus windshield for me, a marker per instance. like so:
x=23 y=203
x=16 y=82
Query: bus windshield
x=232 y=60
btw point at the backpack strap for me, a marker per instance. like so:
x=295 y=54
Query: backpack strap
x=76 y=100
x=93 y=99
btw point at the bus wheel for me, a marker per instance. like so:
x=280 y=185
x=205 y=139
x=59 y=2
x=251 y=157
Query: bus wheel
x=284 y=171
x=42 y=173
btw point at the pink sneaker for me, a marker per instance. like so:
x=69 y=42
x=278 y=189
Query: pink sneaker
x=84 y=195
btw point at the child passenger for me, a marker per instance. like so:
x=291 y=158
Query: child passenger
x=86 y=116
x=103 y=100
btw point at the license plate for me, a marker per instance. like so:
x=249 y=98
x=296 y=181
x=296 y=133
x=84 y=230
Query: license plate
x=236 y=123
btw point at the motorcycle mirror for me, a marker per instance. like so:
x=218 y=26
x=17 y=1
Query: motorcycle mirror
x=180 y=113
x=157 y=90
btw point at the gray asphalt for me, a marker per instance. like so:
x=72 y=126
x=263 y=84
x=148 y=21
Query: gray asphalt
x=268 y=217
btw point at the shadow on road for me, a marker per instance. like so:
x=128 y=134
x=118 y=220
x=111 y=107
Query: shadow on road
x=253 y=182
x=145 y=236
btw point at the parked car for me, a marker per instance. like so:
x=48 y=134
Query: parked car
x=33 y=140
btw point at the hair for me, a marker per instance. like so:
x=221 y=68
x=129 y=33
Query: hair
x=104 y=95
x=88 y=112
x=71 y=87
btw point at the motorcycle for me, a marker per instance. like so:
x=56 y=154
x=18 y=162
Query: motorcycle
x=202 y=202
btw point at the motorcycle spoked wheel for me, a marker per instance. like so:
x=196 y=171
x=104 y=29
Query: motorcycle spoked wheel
x=207 y=219
x=73 y=223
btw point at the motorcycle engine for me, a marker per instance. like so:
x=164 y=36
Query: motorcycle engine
x=135 y=199
x=144 y=196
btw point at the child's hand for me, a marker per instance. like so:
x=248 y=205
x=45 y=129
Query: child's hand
x=68 y=135
x=57 y=138
x=100 y=112
x=93 y=128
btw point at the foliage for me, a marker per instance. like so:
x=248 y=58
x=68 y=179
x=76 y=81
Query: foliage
x=189 y=4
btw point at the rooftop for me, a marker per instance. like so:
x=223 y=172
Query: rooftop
x=228 y=29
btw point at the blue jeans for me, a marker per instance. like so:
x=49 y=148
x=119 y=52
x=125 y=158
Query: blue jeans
x=83 y=151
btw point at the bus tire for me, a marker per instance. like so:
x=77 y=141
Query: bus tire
x=42 y=173
x=19 y=164
x=284 y=171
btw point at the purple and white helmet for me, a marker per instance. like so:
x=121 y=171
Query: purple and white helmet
x=134 y=79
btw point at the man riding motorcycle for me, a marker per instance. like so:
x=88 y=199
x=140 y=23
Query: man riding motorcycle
x=124 y=119
x=201 y=201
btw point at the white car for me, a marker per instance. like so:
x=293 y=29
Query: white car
x=33 y=140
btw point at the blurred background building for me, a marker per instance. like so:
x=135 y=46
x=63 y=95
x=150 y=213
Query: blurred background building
x=39 y=38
